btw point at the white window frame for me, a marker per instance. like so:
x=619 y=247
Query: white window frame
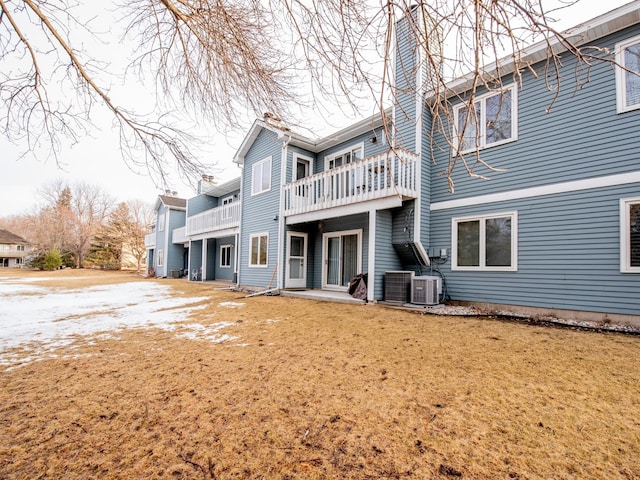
x=258 y=169
x=482 y=134
x=482 y=259
x=160 y=258
x=621 y=86
x=161 y=221
x=224 y=256
x=251 y=237
x=625 y=224
x=330 y=158
x=309 y=160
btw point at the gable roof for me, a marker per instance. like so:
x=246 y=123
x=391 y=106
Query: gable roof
x=312 y=145
x=6 y=237
x=174 y=203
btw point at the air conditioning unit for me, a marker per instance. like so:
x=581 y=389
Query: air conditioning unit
x=425 y=291
x=397 y=286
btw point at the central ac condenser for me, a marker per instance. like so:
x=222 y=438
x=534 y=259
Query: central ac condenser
x=425 y=291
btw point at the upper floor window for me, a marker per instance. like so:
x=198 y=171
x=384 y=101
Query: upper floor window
x=261 y=176
x=20 y=248
x=161 y=221
x=628 y=74
x=630 y=235
x=490 y=120
x=486 y=242
x=343 y=157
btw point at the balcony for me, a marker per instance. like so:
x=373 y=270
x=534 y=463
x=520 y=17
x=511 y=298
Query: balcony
x=386 y=178
x=214 y=220
x=150 y=240
x=179 y=235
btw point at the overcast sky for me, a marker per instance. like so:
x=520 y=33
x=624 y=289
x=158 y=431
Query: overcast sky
x=96 y=159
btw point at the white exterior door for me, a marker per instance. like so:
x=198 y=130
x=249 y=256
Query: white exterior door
x=296 y=260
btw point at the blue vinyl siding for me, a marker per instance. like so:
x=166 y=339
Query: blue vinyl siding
x=581 y=137
x=568 y=254
x=364 y=139
x=259 y=211
x=227 y=272
x=352 y=222
x=405 y=115
x=568 y=243
x=385 y=256
x=201 y=203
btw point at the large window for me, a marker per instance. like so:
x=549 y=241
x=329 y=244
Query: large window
x=225 y=256
x=160 y=258
x=490 y=120
x=161 y=222
x=343 y=157
x=258 y=250
x=261 y=177
x=630 y=235
x=628 y=74
x=487 y=242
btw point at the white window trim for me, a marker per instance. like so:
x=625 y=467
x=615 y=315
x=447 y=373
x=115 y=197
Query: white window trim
x=160 y=258
x=625 y=247
x=251 y=237
x=621 y=87
x=482 y=218
x=356 y=146
x=482 y=134
x=226 y=200
x=297 y=156
x=222 y=248
x=325 y=252
x=161 y=221
x=253 y=169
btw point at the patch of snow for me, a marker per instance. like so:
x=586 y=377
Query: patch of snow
x=231 y=304
x=36 y=320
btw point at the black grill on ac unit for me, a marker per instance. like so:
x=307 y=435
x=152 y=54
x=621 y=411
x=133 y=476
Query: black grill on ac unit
x=397 y=286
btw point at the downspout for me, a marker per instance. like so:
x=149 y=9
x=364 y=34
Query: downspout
x=281 y=224
x=239 y=234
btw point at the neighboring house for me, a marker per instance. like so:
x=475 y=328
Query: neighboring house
x=166 y=252
x=13 y=249
x=558 y=229
x=211 y=230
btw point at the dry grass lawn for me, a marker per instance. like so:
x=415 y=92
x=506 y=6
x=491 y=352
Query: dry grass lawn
x=312 y=390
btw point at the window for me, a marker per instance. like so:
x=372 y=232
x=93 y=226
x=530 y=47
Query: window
x=343 y=157
x=302 y=166
x=161 y=222
x=160 y=258
x=492 y=120
x=20 y=248
x=630 y=235
x=261 y=177
x=485 y=243
x=225 y=256
x=258 y=251
x=227 y=201
x=628 y=82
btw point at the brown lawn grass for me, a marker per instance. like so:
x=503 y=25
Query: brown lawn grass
x=313 y=390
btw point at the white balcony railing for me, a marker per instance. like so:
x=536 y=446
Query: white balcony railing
x=393 y=173
x=219 y=218
x=179 y=235
x=150 y=240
